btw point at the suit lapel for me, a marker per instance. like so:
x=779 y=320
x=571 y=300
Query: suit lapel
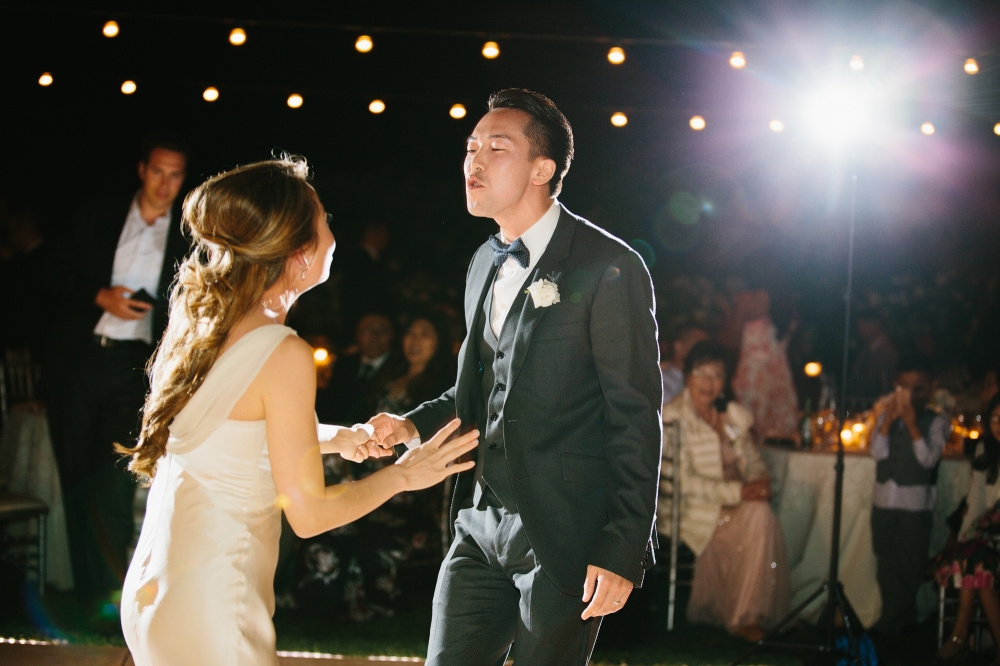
x=549 y=267
x=480 y=280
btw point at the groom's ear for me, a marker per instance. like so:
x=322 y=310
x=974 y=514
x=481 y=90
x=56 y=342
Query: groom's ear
x=543 y=170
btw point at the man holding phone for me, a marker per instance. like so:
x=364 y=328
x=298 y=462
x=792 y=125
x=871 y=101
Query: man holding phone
x=115 y=270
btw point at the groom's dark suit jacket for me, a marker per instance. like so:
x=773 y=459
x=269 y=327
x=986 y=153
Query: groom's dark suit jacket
x=572 y=424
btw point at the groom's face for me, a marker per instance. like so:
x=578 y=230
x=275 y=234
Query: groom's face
x=498 y=168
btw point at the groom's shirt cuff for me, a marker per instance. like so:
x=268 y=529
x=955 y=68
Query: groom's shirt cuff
x=413 y=443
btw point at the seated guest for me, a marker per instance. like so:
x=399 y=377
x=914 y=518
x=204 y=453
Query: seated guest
x=427 y=348
x=360 y=378
x=907 y=442
x=972 y=565
x=672 y=367
x=741 y=576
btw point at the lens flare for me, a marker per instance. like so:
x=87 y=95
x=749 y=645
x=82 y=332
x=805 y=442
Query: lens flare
x=697 y=123
x=971 y=66
x=237 y=37
x=616 y=55
x=295 y=100
x=457 y=111
x=738 y=60
x=110 y=29
x=129 y=87
x=45 y=79
x=364 y=44
x=491 y=50
x=619 y=119
x=211 y=94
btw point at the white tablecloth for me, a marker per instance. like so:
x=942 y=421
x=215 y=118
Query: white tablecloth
x=28 y=465
x=802 y=484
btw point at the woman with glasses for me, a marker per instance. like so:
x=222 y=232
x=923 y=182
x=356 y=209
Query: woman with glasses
x=741 y=577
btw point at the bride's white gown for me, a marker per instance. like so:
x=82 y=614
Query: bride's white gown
x=200 y=586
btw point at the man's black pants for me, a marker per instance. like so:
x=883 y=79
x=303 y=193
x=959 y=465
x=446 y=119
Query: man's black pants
x=900 y=540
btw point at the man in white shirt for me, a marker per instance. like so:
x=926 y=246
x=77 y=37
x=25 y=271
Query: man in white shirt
x=672 y=369
x=114 y=274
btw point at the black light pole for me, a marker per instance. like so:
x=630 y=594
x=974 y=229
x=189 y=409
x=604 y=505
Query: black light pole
x=837 y=604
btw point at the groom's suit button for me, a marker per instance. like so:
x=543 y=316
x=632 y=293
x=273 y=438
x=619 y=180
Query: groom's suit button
x=500 y=387
x=499 y=354
x=493 y=447
x=494 y=417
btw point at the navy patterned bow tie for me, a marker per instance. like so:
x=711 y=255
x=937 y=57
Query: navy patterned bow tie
x=516 y=250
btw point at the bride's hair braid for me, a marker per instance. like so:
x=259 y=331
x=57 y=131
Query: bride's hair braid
x=245 y=224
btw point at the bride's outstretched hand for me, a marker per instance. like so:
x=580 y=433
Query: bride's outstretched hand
x=428 y=464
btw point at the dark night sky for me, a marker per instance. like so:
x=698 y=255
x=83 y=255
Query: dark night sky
x=767 y=201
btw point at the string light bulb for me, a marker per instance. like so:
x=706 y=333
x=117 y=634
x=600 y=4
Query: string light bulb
x=457 y=111
x=619 y=119
x=491 y=50
x=237 y=36
x=813 y=369
x=377 y=106
x=320 y=355
x=294 y=100
x=927 y=128
x=129 y=87
x=616 y=55
x=363 y=44
x=776 y=125
x=110 y=29
x=996 y=129
x=211 y=94
x=971 y=66
x=856 y=63
x=697 y=123
x=45 y=79
x=738 y=60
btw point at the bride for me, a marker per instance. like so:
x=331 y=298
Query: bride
x=229 y=433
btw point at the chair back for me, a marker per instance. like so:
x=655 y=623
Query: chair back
x=19 y=379
x=672 y=456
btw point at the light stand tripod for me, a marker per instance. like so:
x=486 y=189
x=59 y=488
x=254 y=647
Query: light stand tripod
x=837 y=603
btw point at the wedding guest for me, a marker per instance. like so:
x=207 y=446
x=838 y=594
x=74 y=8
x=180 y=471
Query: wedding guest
x=741 y=577
x=907 y=442
x=427 y=348
x=365 y=281
x=875 y=365
x=972 y=564
x=763 y=379
x=360 y=378
x=27 y=285
x=116 y=248
x=672 y=369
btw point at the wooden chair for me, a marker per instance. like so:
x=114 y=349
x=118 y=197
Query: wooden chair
x=24 y=551
x=947 y=612
x=681 y=559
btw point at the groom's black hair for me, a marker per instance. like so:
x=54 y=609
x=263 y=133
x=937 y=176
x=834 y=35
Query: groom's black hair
x=548 y=131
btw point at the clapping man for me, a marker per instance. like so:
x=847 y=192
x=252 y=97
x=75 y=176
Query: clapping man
x=559 y=372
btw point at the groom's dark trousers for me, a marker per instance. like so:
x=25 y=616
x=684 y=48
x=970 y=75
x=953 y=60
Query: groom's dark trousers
x=567 y=402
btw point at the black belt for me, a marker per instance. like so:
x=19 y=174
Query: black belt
x=110 y=343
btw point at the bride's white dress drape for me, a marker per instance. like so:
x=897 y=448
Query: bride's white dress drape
x=200 y=586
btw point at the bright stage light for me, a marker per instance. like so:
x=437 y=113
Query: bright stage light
x=364 y=44
x=110 y=29
x=457 y=111
x=377 y=106
x=842 y=112
x=971 y=66
x=128 y=87
x=294 y=100
x=616 y=55
x=813 y=369
x=619 y=119
x=776 y=125
x=927 y=128
x=491 y=50
x=45 y=79
x=738 y=60
x=211 y=94
x=237 y=36
x=697 y=123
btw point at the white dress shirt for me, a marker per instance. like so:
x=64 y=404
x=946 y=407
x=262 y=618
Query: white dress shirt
x=511 y=276
x=138 y=263
x=890 y=495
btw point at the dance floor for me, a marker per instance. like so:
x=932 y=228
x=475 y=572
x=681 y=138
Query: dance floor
x=91 y=655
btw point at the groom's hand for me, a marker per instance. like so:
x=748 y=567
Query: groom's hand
x=607 y=592
x=391 y=430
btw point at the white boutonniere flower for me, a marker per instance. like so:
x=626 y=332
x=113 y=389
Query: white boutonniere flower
x=543 y=293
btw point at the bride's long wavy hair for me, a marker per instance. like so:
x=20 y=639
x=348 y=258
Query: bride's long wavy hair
x=245 y=224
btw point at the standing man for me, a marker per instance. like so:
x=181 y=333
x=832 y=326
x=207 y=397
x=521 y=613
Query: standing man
x=115 y=274
x=907 y=443
x=559 y=372
x=672 y=369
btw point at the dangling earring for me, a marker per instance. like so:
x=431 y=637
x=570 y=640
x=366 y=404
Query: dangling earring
x=266 y=304
x=305 y=267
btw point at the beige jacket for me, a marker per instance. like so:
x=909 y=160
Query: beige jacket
x=703 y=490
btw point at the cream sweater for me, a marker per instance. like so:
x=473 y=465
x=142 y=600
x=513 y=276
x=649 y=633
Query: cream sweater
x=703 y=489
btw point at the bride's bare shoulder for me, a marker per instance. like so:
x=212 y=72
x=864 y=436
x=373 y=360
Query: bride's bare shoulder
x=291 y=359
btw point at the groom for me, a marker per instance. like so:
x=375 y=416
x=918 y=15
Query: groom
x=560 y=373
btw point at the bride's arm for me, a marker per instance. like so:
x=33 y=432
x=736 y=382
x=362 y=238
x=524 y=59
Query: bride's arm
x=289 y=395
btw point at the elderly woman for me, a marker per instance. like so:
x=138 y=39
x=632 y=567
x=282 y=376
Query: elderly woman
x=741 y=578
